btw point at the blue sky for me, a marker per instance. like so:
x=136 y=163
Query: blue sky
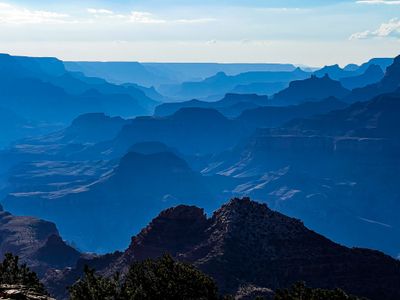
x=312 y=32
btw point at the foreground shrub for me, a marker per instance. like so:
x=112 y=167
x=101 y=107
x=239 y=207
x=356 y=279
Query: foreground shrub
x=300 y=291
x=162 y=278
x=11 y=272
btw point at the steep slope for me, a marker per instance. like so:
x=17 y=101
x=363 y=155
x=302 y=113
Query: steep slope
x=371 y=75
x=389 y=84
x=311 y=89
x=63 y=145
x=102 y=214
x=246 y=243
x=377 y=118
x=313 y=168
x=383 y=63
x=36 y=242
x=43 y=166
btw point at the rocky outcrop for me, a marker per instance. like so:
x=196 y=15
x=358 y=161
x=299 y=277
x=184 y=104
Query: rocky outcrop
x=315 y=169
x=312 y=89
x=389 y=84
x=176 y=229
x=20 y=292
x=23 y=235
x=251 y=292
x=371 y=75
x=248 y=243
x=251 y=250
x=36 y=242
x=56 y=253
x=90 y=128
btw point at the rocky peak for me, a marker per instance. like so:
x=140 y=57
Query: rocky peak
x=23 y=235
x=237 y=210
x=250 y=250
x=173 y=231
x=92 y=127
x=245 y=226
x=56 y=253
x=20 y=292
x=313 y=88
x=219 y=75
x=239 y=216
x=183 y=212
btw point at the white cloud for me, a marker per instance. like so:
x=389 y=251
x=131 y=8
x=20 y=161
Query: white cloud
x=10 y=14
x=389 y=29
x=388 y=2
x=100 y=11
x=144 y=17
x=149 y=18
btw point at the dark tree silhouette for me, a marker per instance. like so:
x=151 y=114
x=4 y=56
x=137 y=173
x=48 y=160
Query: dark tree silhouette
x=11 y=272
x=299 y=291
x=165 y=278
x=162 y=278
x=94 y=287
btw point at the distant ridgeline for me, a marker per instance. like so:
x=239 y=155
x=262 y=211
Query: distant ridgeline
x=55 y=92
x=101 y=159
x=38 y=95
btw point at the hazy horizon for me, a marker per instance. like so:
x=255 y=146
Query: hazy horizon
x=296 y=64
x=312 y=33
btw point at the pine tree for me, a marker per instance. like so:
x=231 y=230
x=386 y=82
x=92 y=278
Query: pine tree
x=14 y=274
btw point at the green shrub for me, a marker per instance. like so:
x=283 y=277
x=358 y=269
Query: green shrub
x=93 y=287
x=161 y=278
x=300 y=291
x=13 y=273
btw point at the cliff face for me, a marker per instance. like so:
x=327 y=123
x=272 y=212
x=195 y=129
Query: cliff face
x=245 y=244
x=36 y=242
x=389 y=84
x=23 y=235
x=102 y=215
x=338 y=172
x=176 y=229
